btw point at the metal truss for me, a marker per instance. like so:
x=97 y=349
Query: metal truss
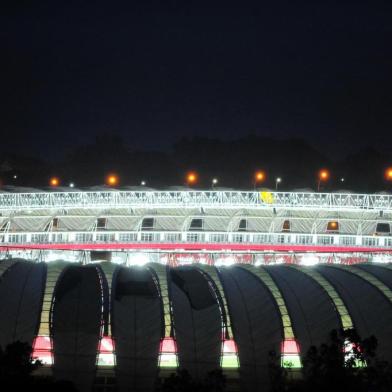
x=194 y=199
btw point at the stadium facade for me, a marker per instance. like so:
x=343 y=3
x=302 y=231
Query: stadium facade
x=115 y=289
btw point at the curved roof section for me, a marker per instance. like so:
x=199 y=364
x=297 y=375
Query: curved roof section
x=153 y=303
x=370 y=310
x=21 y=293
x=197 y=321
x=313 y=314
x=256 y=324
x=76 y=325
x=137 y=324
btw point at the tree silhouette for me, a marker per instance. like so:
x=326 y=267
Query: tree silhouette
x=344 y=363
x=17 y=369
x=182 y=381
x=16 y=365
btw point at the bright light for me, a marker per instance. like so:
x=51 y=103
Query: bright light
x=106 y=352
x=290 y=354
x=225 y=261
x=381 y=259
x=118 y=258
x=42 y=349
x=112 y=180
x=260 y=176
x=143 y=183
x=388 y=174
x=278 y=180
x=324 y=175
x=71 y=185
x=332 y=226
x=214 y=181
x=138 y=259
x=229 y=354
x=191 y=178
x=168 y=353
x=15 y=177
x=342 y=179
x=309 y=260
x=54 y=181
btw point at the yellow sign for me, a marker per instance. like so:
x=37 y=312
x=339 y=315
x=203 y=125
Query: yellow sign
x=267 y=197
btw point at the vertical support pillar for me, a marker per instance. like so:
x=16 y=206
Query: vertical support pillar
x=43 y=343
x=168 y=354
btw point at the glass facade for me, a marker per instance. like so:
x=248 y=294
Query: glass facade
x=106 y=356
x=168 y=355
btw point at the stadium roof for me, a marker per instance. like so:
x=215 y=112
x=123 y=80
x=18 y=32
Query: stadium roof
x=199 y=317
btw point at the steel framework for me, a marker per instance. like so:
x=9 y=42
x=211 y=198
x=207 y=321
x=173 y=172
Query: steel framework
x=192 y=199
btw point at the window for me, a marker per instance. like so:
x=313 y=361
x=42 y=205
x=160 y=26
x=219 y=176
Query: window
x=347 y=240
x=55 y=223
x=148 y=224
x=192 y=237
x=304 y=239
x=39 y=238
x=59 y=237
x=15 y=238
x=369 y=241
x=286 y=228
x=238 y=238
x=127 y=237
x=196 y=224
x=84 y=237
x=283 y=239
x=383 y=229
x=101 y=223
x=243 y=225
x=262 y=238
x=105 y=237
x=214 y=237
x=325 y=240
x=146 y=237
x=172 y=237
x=333 y=226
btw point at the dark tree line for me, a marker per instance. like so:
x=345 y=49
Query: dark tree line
x=182 y=381
x=232 y=162
x=344 y=363
x=17 y=371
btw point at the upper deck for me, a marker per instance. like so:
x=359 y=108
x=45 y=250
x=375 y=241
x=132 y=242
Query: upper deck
x=194 y=199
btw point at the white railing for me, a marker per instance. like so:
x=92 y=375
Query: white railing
x=119 y=237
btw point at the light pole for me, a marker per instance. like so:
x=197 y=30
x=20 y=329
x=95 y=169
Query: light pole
x=214 y=182
x=388 y=174
x=259 y=177
x=277 y=182
x=322 y=177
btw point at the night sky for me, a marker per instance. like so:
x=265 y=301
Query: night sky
x=154 y=72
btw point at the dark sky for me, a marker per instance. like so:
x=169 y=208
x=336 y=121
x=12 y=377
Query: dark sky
x=156 y=71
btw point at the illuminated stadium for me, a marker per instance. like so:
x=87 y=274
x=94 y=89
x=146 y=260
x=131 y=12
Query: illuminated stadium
x=117 y=288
